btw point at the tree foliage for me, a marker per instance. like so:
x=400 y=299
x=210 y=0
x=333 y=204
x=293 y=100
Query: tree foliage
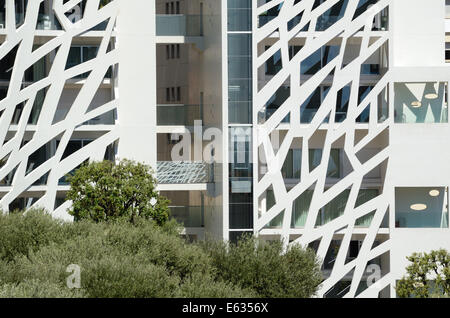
x=122 y=259
x=428 y=275
x=105 y=190
x=262 y=266
x=117 y=259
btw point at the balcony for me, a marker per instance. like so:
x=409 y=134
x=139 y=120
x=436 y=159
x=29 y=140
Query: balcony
x=178 y=25
x=177 y=175
x=178 y=115
x=179 y=28
x=189 y=216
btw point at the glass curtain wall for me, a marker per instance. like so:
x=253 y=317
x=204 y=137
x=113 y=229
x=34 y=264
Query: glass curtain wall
x=240 y=118
x=239 y=78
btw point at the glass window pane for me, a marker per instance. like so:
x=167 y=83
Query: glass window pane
x=74 y=57
x=312 y=64
x=239 y=15
x=310 y=107
x=89 y=53
x=301 y=209
x=241 y=216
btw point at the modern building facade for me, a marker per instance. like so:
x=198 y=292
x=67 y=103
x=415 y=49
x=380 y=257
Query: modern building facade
x=319 y=122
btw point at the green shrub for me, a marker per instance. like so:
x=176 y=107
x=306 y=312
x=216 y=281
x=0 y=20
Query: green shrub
x=141 y=259
x=264 y=268
x=117 y=259
x=20 y=233
x=428 y=276
x=199 y=286
x=38 y=289
x=105 y=190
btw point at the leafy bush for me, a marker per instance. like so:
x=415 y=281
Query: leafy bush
x=264 y=268
x=38 y=289
x=20 y=233
x=105 y=191
x=117 y=259
x=428 y=275
x=141 y=259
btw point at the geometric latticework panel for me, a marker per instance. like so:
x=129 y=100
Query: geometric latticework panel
x=323 y=135
x=57 y=100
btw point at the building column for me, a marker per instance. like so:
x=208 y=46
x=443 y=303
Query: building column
x=136 y=40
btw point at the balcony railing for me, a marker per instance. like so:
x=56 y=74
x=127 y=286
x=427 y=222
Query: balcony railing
x=179 y=25
x=178 y=115
x=176 y=172
x=189 y=216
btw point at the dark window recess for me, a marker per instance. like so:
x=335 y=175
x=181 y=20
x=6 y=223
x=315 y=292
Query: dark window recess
x=235 y=236
x=353 y=250
x=241 y=216
x=7 y=64
x=293 y=50
x=20 y=204
x=73 y=146
x=40 y=156
x=273 y=64
x=277 y=99
x=81 y=54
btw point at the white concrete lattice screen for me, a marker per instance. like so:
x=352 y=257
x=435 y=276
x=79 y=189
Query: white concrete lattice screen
x=345 y=29
x=14 y=152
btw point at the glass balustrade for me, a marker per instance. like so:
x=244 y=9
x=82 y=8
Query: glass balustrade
x=176 y=172
x=179 y=25
x=178 y=115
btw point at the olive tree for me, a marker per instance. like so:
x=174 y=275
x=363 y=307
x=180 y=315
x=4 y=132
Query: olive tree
x=266 y=268
x=106 y=190
x=428 y=275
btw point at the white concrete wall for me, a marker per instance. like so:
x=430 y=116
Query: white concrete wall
x=419 y=153
x=137 y=80
x=418 y=28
